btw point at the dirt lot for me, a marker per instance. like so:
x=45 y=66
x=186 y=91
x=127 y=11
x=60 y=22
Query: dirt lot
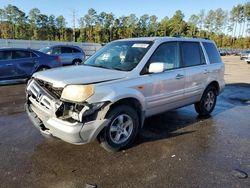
x=174 y=149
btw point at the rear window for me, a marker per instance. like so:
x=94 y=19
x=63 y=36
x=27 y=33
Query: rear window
x=212 y=52
x=192 y=54
x=21 y=54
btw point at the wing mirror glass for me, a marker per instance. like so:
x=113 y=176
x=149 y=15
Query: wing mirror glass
x=156 y=67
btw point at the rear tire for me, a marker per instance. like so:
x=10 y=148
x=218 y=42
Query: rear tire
x=207 y=103
x=122 y=129
x=77 y=62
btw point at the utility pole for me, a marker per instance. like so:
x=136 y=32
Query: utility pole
x=74 y=24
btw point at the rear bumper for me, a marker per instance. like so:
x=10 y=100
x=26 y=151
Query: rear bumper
x=222 y=86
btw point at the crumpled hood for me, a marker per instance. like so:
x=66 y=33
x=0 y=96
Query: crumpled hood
x=60 y=77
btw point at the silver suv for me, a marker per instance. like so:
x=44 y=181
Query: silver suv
x=68 y=54
x=111 y=94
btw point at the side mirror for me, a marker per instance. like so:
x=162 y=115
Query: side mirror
x=156 y=67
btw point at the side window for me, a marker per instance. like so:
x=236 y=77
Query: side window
x=66 y=50
x=212 y=52
x=76 y=50
x=168 y=53
x=19 y=54
x=5 y=55
x=56 y=51
x=192 y=54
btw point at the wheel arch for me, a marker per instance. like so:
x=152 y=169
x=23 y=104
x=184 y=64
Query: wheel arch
x=214 y=84
x=135 y=104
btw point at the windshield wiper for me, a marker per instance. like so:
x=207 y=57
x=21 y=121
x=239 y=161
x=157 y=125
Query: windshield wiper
x=119 y=69
x=99 y=66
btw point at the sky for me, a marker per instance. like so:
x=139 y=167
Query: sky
x=160 y=8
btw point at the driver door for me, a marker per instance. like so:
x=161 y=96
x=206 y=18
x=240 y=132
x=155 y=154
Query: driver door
x=165 y=90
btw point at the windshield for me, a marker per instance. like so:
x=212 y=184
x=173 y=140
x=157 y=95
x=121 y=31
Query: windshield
x=46 y=50
x=120 y=55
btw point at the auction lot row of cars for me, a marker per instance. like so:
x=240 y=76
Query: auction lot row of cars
x=244 y=54
x=19 y=64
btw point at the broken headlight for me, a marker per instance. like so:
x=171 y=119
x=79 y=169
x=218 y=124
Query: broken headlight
x=77 y=93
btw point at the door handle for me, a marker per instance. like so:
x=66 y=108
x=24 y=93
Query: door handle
x=206 y=71
x=10 y=64
x=179 y=76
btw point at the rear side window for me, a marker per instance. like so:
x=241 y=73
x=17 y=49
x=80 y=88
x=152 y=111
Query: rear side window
x=19 y=54
x=212 y=52
x=5 y=55
x=76 y=50
x=169 y=54
x=66 y=50
x=192 y=54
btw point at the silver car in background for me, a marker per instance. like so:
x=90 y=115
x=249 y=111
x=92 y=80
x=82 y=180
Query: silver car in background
x=244 y=54
x=68 y=54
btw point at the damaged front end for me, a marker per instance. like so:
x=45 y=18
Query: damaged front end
x=51 y=110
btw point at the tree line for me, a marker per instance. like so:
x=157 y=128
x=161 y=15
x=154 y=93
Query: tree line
x=226 y=28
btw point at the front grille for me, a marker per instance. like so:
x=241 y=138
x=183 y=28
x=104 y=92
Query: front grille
x=55 y=92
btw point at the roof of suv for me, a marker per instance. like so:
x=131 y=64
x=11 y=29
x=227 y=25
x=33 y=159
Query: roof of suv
x=166 y=39
x=66 y=45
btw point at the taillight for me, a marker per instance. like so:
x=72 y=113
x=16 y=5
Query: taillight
x=57 y=58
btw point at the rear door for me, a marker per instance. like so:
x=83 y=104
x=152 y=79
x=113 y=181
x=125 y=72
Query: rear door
x=24 y=62
x=7 y=67
x=196 y=70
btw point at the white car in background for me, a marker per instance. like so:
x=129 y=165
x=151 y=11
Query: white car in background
x=248 y=59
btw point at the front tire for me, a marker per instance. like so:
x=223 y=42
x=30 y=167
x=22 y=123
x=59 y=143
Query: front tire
x=207 y=103
x=122 y=129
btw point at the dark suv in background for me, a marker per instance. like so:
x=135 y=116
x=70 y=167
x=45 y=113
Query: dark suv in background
x=18 y=64
x=69 y=54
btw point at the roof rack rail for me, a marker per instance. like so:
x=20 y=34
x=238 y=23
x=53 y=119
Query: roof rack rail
x=178 y=35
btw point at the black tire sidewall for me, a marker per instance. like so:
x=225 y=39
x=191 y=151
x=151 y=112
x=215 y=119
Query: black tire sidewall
x=116 y=111
x=203 y=110
x=42 y=69
x=77 y=62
